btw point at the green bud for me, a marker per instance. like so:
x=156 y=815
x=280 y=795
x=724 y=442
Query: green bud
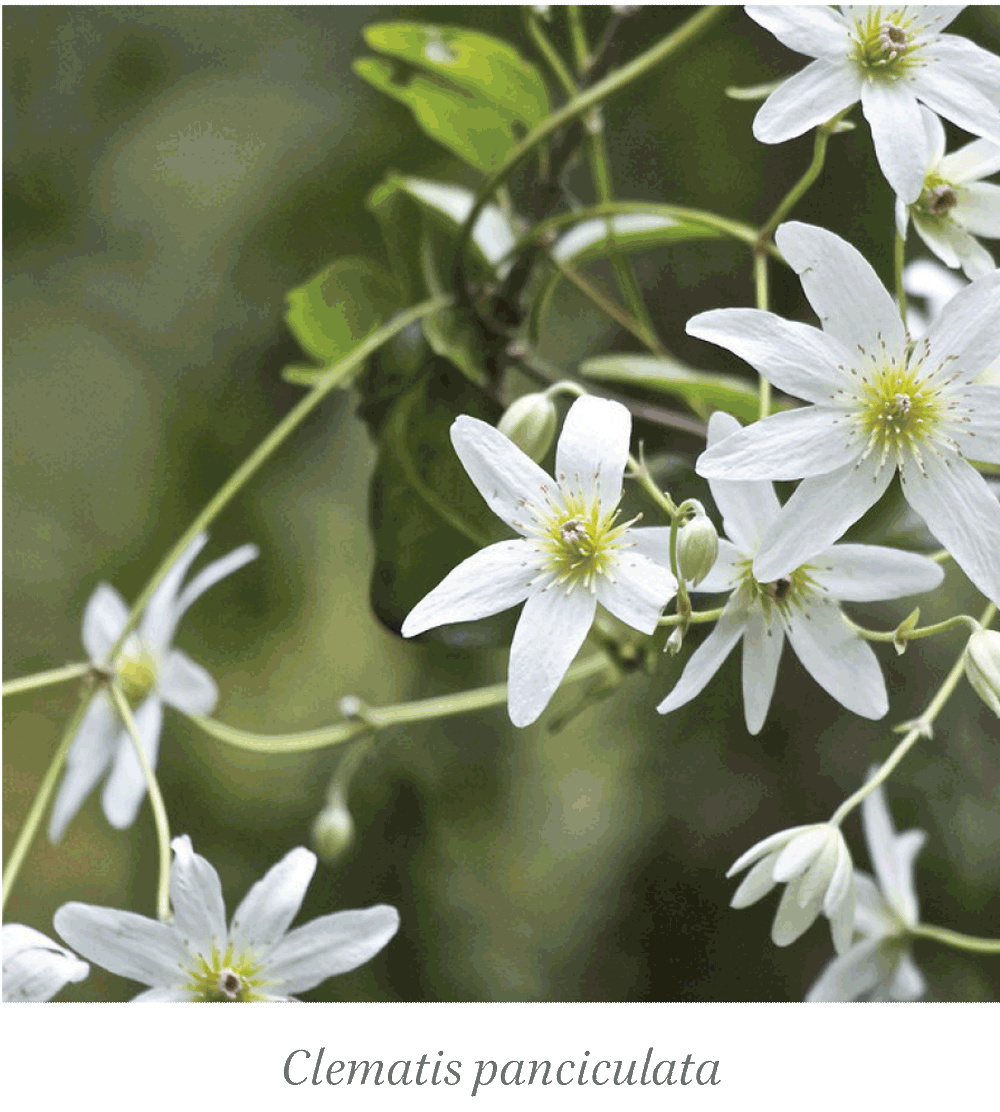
x=982 y=666
x=333 y=831
x=530 y=423
x=697 y=549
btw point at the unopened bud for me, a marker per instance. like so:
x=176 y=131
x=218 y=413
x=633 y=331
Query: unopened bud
x=697 y=549
x=982 y=666
x=530 y=423
x=904 y=629
x=333 y=831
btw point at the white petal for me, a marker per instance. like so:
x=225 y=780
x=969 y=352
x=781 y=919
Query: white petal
x=849 y=976
x=980 y=437
x=328 y=946
x=980 y=209
x=976 y=260
x=788 y=445
x=807 y=99
x=819 y=511
x=503 y=474
x=936 y=139
x=801 y=852
x=89 y=756
x=124 y=943
x=747 y=508
x=872 y=916
x=819 y=32
x=172 y=995
x=906 y=847
x=593 y=449
x=35 y=967
x=762 y=644
x=493 y=579
x=965 y=334
x=792 y=919
x=898 y=134
x=841 y=886
x=268 y=909
x=125 y=788
x=728 y=568
x=892 y=855
x=843 y=289
x=638 y=592
x=707 y=659
x=549 y=633
x=818 y=876
x=961 y=511
x=186 y=685
x=837 y=659
x=103 y=620
x=976 y=160
x=769 y=845
x=842 y=919
x=957 y=99
x=196 y=896
x=907 y=982
x=212 y=574
x=870 y=573
x=158 y=620
x=942 y=237
x=756 y=884
x=797 y=358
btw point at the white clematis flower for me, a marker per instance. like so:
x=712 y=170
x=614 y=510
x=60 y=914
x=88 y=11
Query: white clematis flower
x=35 y=967
x=956 y=205
x=572 y=553
x=802 y=602
x=880 y=403
x=889 y=59
x=195 y=957
x=150 y=672
x=879 y=966
x=815 y=863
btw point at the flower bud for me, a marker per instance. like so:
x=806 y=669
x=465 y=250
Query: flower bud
x=982 y=666
x=333 y=831
x=530 y=423
x=675 y=641
x=697 y=548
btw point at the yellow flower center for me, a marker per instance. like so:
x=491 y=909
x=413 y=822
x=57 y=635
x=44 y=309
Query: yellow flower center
x=136 y=672
x=224 y=978
x=784 y=594
x=898 y=411
x=938 y=198
x=884 y=42
x=579 y=543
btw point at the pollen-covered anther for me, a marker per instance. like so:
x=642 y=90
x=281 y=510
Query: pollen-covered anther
x=230 y=983
x=941 y=199
x=892 y=39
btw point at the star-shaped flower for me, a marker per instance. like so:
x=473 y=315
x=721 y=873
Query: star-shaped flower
x=195 y=957
x=35 y=967
x=956 y=205
x=802 y=602
x=572 y=555
x=879 y=966
x=889 y=59
x=815 y=863
x=150 y=672
x=880 y=403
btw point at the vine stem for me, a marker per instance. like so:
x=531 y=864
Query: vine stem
x=45 y=679
x=898 y=261
x=155 y=800
x=956 y=939
x=328 y=380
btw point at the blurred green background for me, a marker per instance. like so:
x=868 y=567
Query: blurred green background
x=169 y=173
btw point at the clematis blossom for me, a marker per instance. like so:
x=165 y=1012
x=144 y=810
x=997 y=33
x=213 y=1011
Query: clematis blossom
x=802 y=602
x=196 y=957
x=34 y=967
x=956 y=205
x=878 y=966
x=572 y=553
x=889 y=58
x=150 y=672
x=881 y=403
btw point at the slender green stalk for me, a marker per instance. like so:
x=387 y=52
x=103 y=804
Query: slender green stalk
x=608 y=306
x=333 y=377
x=381 y=718
x=914 y=634
x=45 y=679
x=155 y=800
x=578 y=38
x=808 y=179
x=696 y=617
x=898 y=261
x=918 y=728
x=762 y=297
x=957 y=940
x=576 y=107
x=544 y=46
x=26 y=835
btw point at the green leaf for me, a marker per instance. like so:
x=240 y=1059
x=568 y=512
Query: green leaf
x=471 y=92
x=701 y=390
x=426 y=515
x=336 y=309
